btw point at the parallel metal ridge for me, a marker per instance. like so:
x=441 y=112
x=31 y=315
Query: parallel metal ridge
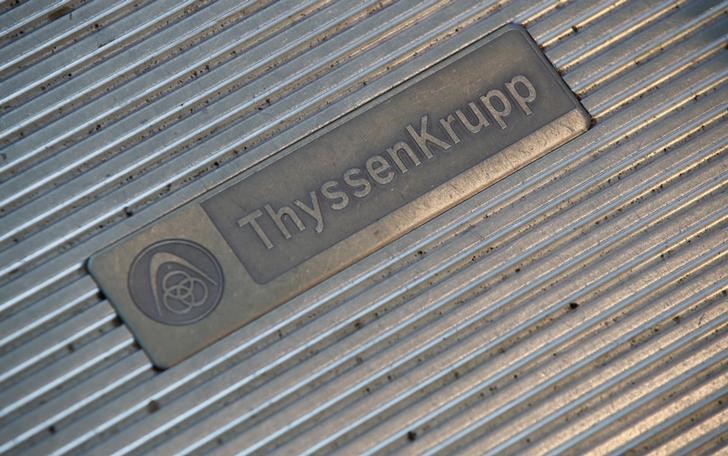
x=578 y=305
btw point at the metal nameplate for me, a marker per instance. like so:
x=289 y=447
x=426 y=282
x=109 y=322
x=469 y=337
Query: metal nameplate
x=238 y=251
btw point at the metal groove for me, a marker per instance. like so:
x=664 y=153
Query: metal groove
x=150 y=183
x=75 y=55
x=615 y=61
x=399 y=395
x=547 y=348
x=63 y=370
x=615 y=28
x=140 y=121
x=691 y=440
x=44 y=312
x=19 y=53
x=688 y=404
x=18 y=17
x=415 y=348
x=700 y=357
x=145 y=87
x=561 y=24
x=87 y=83
x=639 y=82
x=59 y=338
x=172 y=412
x=119 y=376
x=717 y=357
x=546 y=351
x=414 y=305
x=143 y=183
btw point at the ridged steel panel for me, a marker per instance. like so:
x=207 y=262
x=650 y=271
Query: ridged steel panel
x=578 y=305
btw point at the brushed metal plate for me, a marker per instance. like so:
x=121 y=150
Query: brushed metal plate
x=232 y=255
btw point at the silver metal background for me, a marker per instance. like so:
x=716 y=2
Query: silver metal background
x=578 y=305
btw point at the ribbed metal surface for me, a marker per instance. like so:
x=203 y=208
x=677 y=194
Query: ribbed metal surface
x=578 y=305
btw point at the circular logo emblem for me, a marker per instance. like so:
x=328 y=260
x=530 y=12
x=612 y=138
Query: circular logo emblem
x=175 y=282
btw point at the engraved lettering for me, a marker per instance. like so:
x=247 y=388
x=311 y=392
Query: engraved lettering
x=481 y=120
x=401 y=156
x=423 y=137
x=520 y=99
x=330 y=194
x=278 y=215
x=447 y=125
x=361 y=186
x=497 y=114
x=250 y=219
x=403 y=147
x=342 y=193
x=314 y=211
x=377 y=165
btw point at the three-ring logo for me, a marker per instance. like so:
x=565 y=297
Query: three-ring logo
x=175 y=282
